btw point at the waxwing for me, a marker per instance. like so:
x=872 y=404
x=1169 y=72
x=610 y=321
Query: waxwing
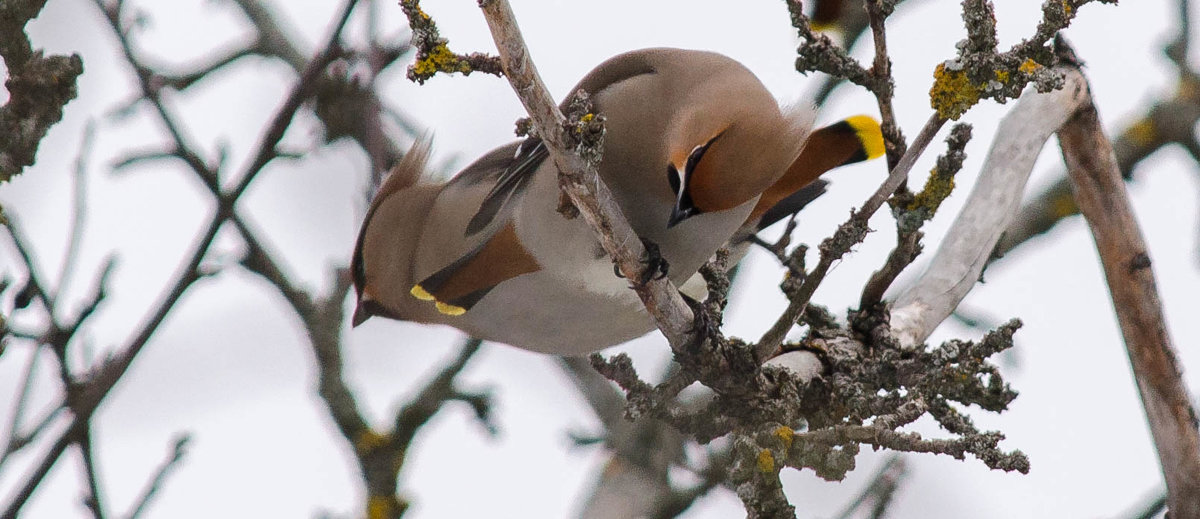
x=696 y=153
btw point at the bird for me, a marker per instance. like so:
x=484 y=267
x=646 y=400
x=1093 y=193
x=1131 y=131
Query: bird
x=697 y=154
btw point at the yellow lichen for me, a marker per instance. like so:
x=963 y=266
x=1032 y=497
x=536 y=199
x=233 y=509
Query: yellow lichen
x=439 y=59
x=1029 y=66
x=370 y=440
x=587 y=118
x=1002 y=76
x=1142 y=133
x=1064 y=206
x=952 y=92
x=766 y=461
x=1189 y=89
x=785 y=434
x=937 y=188
x=382 y=507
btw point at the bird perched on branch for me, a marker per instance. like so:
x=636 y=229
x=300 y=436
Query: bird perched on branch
x=696 y=149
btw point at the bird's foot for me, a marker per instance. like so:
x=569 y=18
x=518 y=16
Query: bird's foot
x=656 y=266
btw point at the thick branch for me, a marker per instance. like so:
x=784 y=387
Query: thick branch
x=1102 y=199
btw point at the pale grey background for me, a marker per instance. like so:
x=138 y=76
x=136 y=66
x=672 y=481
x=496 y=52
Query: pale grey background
x=229 y=364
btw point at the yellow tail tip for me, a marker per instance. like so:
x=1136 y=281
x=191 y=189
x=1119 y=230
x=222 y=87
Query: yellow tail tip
x=869 y=134
x=422 y=294
x=449 y=309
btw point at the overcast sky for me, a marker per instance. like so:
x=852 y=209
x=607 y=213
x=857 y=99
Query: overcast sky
x=230 y=365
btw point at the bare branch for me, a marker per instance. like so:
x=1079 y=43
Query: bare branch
x=35 y=284
x=94 y=500
x=274 y=36
x=1102 y=199
x=38 y=473
x=1169 y=121
x=13 y=440
x=881 y=489
x=304 y=86
x=85 y=399
x=78 y=209
x=178 y=451
x=883 y=85
x=1150 y=508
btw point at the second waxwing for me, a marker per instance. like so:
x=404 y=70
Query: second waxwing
x=697 y=154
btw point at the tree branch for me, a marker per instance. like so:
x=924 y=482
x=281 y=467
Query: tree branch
x=1100 y=192
x=178 y=451
x=580 y=182
x=848 y=235
x=38 y=87
x=956 y=266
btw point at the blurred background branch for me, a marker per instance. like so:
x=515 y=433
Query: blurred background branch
x=337 y=85
x=1170 y=120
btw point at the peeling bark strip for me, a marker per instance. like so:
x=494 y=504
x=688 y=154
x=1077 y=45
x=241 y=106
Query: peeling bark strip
x=38 y=88
x=1100 y=192
x=991 y=205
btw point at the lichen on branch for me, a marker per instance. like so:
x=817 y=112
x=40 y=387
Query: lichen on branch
x=38 y=88
x=980 y=71
x=433 y=51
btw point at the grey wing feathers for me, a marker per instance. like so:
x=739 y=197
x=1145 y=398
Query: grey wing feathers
x=793 y=203
x=513 y=179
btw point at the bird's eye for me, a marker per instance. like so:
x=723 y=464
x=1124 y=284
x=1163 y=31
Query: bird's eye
x=697 y=154
x=673 y=178
x=694 y=157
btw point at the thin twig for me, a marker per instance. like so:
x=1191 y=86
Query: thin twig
x=1150 y=508
x=178 y=451
x=848 y=234
x=93 y=500
x=880 y=490
x=107 y=375
x=912 y=211
x=39 y=471
x=12 y=441
x=78 y=210
x=283 y=116
x=36 y=283
x=883 y=87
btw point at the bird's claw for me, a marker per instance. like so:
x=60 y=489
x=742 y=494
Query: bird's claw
x=656 y=266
